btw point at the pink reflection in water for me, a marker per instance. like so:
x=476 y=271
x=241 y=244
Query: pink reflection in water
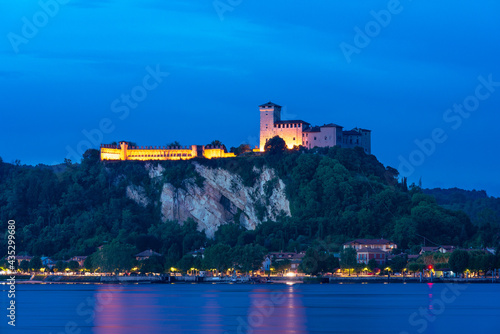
x=211 y=314
x=274 y=312
x=123 y=310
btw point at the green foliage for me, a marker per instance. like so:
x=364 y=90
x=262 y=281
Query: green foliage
x=281 y=266
x=218 y=257
x=73 y=265
x=415 y=267
x=318 y=261
x=228 y=234
x=180 y=173
x=459 y=260
x=60 y=265
x=398 y=263
x=115 y=257
x=36 y=263
x=348 y=258
x=275 y=146
x=249 y=257
x=372 y=264
x=154 y=264
x=24 y=266
x=484 y=211
x=243 y=148
x=87 y=264
x=335 y=194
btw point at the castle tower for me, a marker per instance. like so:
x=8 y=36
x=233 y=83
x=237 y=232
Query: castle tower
x=270 y=113
x=123 y=152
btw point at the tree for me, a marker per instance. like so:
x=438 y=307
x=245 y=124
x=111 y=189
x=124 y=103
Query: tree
x=115 y=257
x=348 y=258
x=218 y=257
x=372 y=264
x=243 y=148
x=73 y=265
x=249 y=257
x=154 y=264
x=459 y=260
x=60 y=265
x=398 y=263
x=415 y=267
x=88 y=263
x=216 y=143
x=281 y=266
x=24 y=266
x=174 y=143
x=275 y=145
x=186 y=262
x=318 y=261
x=36 y=263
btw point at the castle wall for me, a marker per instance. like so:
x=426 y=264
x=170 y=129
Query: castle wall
x=291 y=133
x=110 y=153
x=125 y=152
x=210 y=152
x=327 y=136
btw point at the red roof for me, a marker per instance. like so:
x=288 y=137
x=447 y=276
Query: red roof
x=371 y=250
x=370 y=242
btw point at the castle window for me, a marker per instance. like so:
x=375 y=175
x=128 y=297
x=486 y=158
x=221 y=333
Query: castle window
x=314 y=138
x=287 y=126
x=293 y=138
x=326 y=138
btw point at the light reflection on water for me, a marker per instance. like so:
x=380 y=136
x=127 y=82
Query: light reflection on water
x=259 y=309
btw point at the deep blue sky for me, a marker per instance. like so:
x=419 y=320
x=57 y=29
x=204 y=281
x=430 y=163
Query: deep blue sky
x=62 y=79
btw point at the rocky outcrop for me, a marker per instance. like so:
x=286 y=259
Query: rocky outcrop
x=137 y=194
x=223 y=198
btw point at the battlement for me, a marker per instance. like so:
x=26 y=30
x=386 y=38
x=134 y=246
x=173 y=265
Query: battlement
x=301 y=133
x=145 y=153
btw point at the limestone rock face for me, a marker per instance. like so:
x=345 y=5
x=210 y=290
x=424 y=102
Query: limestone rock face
x=222 y=199
x=137 y=194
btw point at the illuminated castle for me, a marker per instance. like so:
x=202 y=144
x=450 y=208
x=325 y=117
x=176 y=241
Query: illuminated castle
x=298 y=132
x=125 y=152
x=294 y=132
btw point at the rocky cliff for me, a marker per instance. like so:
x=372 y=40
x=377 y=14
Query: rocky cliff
x=222 y=198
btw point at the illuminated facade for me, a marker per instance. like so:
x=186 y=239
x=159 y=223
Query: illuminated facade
x=125 y=152
x=300 y=133
x=294 y=132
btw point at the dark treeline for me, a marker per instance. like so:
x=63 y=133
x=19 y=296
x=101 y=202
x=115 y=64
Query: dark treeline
x=484 y=211
x=335 y=195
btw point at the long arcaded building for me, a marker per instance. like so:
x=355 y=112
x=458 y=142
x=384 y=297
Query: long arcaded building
x=123 y=151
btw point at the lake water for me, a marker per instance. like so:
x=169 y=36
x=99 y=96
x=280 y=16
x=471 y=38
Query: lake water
x=271 y=308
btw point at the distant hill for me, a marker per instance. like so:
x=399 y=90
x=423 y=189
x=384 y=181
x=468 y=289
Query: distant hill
x=284 y=201
x=481 y=208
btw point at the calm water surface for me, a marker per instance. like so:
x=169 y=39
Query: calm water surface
x=233 y=308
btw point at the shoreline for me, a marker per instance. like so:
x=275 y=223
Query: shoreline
x=54 y=279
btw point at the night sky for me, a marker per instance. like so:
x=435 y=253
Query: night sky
x=424 y=76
